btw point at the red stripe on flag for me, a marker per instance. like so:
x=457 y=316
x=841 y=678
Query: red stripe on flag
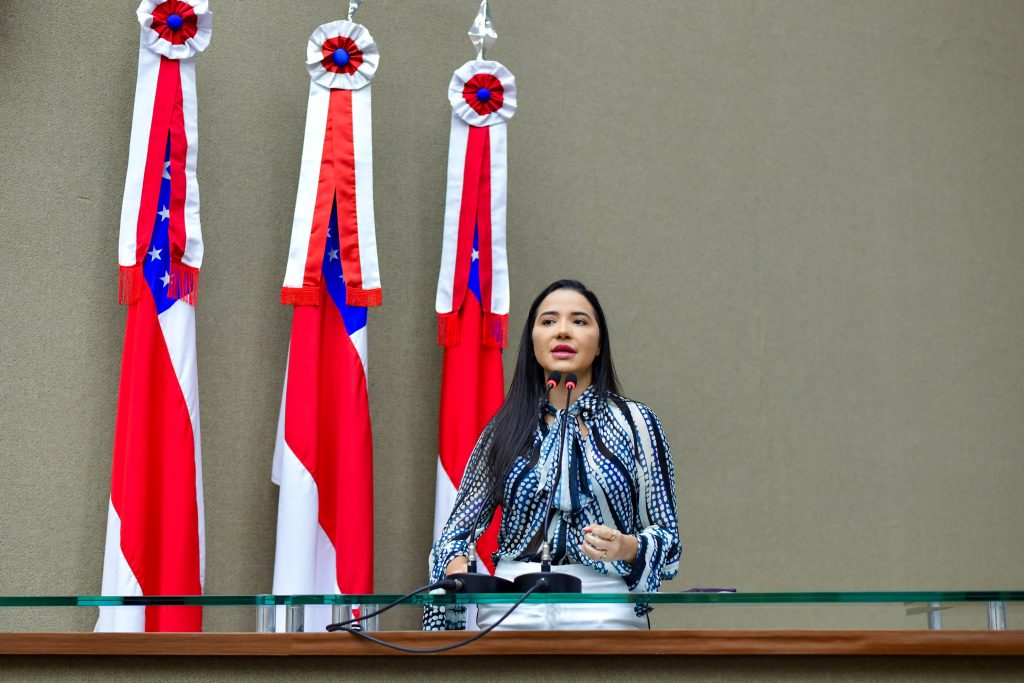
x=472 y=390
x=153 y=482
x=327 y=426
x=168 y=91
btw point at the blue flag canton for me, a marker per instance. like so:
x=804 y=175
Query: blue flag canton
x=474 y=266
x=353 y=316
x=156 y=268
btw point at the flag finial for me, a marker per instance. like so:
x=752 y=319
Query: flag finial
x=353 y=5
x=482 y=33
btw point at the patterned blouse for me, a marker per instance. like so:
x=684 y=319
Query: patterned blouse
x=620 y=475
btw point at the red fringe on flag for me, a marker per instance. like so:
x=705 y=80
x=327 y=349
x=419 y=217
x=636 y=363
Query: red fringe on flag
x=130 y=284
x=448 y=328
x=495 y=330
x=300 y=296
x=184 y=284
x=355 y=296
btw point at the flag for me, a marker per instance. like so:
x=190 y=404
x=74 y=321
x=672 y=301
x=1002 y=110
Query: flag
x=155 y=530
x=323 y=459
x=473 y=291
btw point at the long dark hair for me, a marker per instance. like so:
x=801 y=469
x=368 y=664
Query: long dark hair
x=512 y=427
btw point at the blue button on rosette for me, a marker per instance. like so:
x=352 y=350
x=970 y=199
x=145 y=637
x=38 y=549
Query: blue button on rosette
x=340 y=57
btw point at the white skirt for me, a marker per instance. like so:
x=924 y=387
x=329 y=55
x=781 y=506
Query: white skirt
x=574 y=616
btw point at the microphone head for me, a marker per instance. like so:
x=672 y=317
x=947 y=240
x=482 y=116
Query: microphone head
x=553 y=379
x=570 y=381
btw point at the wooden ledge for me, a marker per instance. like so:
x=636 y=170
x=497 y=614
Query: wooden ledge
x=991 y=643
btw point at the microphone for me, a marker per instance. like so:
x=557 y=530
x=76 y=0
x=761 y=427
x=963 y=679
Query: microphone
x=553 y=379
x=545 y=580
x=471 y=580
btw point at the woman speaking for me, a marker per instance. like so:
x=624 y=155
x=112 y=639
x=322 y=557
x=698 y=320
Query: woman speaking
x=605 y=510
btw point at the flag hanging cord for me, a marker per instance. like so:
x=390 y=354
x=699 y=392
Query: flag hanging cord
x=539 y=586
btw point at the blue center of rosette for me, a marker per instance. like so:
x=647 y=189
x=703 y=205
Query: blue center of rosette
x=175 y=22
x=340 y=57
x=483 y=94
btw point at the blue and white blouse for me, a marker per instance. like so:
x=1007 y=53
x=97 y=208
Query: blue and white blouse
x=620 y=475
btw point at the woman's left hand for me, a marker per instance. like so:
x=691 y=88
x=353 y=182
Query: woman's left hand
x=604 y=544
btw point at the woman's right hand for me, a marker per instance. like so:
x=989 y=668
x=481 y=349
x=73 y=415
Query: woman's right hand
x=457 y=566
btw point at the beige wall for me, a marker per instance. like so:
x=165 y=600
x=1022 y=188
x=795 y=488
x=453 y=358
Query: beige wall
x=803 y=218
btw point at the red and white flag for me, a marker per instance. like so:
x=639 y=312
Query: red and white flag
x=155 y=531
x=472 y=290
x=323 y=460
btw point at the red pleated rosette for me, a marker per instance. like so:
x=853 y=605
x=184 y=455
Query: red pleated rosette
x=176 y=29
x=483 y=93
x=342 y=55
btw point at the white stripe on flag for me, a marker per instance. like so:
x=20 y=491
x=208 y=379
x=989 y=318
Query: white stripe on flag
x=444 y=499
x=304 y=558
x=118 y=579
x=178 y=324
x=358 y=339
x=279 y=446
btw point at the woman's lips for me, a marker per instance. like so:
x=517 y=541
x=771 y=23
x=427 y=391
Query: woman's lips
x=563 y=352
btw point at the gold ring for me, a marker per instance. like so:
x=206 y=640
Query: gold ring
x=604 y=555
x=615 y=534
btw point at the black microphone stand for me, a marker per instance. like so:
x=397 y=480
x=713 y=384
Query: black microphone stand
x=547 y=581
x=471 y=580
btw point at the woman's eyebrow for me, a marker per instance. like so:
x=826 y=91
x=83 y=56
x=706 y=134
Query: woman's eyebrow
x=574 y=313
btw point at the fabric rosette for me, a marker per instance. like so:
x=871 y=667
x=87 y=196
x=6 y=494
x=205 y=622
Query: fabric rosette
x=176 y=29
x=342 y=54
x=483 y=93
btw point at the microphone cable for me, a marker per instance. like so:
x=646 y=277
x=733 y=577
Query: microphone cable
x=447 y=584
x=542 y=584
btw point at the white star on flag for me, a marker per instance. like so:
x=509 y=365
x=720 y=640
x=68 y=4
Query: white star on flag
x=333 y=253
x=476 y=254
x=163 y=213
x=167 y=170
x=166 y=279
x=154 y=254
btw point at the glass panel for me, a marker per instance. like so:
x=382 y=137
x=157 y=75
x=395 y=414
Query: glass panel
x=914 y=610
x=686 y=598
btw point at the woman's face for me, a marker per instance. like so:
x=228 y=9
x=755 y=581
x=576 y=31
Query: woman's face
x=566 y=336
